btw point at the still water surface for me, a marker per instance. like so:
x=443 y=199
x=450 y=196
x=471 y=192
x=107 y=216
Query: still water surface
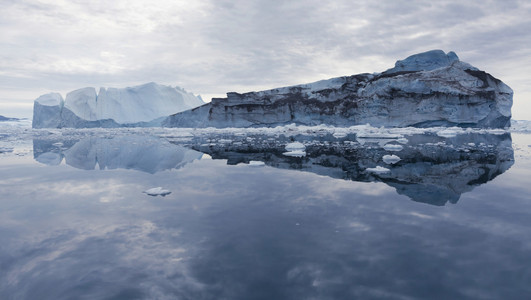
x=450 y=220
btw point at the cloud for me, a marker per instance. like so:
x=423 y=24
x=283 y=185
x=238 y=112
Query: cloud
x=212 y=47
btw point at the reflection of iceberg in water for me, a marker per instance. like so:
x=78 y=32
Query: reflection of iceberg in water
x=432 y=169
x=142 y=153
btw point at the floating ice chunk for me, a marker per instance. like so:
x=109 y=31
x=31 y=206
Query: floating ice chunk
x=393 y=147
x=375 y=133
x=157 y=191
x=295 y=153
x=391 y=159
x=402 y=140
x=497 y=131
x=448 y=133
x=295 y=146
x=256 y=163
x=378 y=170
x=339 y=135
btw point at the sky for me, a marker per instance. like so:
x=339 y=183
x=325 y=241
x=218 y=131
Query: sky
x=210 y=47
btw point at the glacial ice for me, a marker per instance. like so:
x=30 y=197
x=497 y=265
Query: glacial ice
x=424 y=90
x=157 y=191
x=295 y=146
x=143 y=105
x=378 y=170
x=390 y=159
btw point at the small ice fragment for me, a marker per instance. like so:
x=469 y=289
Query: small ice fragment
x=402 y=140
x=393 y=147
x=339 y=135
x=447 y=133
x=157 y=191
x=378 y=170
x=295 y=153
x=256 y=163
x=295 y=146
x=390 y=159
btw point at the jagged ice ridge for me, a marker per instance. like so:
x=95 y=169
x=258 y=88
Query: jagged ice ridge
x=424 y=90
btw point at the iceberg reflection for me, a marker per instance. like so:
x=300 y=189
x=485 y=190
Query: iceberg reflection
x=425 y=167
x=142 y=153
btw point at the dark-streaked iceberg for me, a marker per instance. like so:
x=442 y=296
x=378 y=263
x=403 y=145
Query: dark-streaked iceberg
x=139 y=106
x=427 y=89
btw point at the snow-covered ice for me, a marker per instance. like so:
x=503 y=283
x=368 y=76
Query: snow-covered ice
x=378 y=170
x=295 y=146
x=390 y=159
x=132 y=105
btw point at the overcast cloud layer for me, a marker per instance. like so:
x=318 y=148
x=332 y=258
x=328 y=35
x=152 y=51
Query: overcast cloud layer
x=213 y=47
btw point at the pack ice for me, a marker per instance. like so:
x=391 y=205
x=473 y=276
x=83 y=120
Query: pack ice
x=139 y=106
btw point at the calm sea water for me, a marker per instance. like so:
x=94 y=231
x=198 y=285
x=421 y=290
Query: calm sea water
x=450 y=220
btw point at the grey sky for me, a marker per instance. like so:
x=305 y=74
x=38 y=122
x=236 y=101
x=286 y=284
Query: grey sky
x=213 y=47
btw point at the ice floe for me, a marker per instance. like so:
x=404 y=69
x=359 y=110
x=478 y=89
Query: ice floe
x=390 y=159
x=378 y=170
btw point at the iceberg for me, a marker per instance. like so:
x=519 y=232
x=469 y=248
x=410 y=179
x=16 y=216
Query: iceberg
x=428 y=89
x=139 y=106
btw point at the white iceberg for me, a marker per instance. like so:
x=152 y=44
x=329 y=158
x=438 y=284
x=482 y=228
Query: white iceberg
x=390 y=159
x=143 y=105
x=295 y=146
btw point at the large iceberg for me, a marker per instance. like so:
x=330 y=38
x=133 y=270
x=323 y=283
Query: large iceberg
x=143 y=105
x=427 y=89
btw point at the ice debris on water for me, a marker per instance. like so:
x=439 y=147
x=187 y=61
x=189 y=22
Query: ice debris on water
x=157 y=191
x=295 y=149
x=256 y=163
x=295 y=153
x=390 y=159
x=295 y=146
x=393 y=147
x=448 y=133
x=378 y=170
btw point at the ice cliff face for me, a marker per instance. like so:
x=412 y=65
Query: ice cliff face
x=426 y=89
x=143 y=105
